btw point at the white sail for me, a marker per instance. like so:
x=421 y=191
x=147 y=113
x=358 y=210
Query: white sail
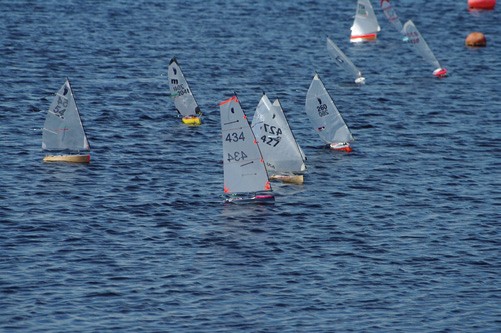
x=278 y=146
x=244 y=169
x=278 y=105
x=365 y=25
x=391 y=15
x=324 y=115
x=343 y=61
x=422 y=48
x=180 y=91
x=63 y=129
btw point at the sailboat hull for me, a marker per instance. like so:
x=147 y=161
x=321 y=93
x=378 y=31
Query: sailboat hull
x=289 y=179
x=341 y=147
x=68 y=158
x=440 y=72
x=244 y=198
x=363 y=38
x=192 y=121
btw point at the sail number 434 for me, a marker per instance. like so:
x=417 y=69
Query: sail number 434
x=237 y=156
x=235 y=137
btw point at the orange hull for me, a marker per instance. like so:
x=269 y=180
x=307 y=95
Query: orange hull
x=340 y=147
x=363 y=38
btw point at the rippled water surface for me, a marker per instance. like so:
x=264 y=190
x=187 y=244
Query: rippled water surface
x=401 y=235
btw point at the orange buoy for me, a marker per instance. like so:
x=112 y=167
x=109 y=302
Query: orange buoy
x=481 y=4
x=476 y=39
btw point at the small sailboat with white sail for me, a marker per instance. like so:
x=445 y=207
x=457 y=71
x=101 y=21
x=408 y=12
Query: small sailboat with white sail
x=283 y=157
x=422 y=48
x=365 y=25
x=391 y=15
x=63 y=134
x=245 y=175
x=343 y=61
x=326 y=118
x=180 y=91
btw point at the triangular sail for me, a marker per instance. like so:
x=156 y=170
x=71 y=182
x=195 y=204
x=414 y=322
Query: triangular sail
x=278 y=105
x=244 y=169
x=365 y=25
x=342 y=60
x=324 y=115
x=278 y=146
x=63 y=129
x=419 y=44
x=180 y=91
x=391 y=15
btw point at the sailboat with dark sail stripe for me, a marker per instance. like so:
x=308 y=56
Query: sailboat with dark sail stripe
x=326 y=118
x=184 y=100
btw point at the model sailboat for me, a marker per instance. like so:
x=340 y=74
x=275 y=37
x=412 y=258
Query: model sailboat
x=245 y=176
x=180 y=91
x=391 y=15
x=63 y=135
x=422 y=48
x=325 y=117
x=343 y=61
x=283 y=156
x=365 y=26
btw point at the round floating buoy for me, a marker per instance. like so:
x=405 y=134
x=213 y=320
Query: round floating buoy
x=481 y=4
x=476 y=39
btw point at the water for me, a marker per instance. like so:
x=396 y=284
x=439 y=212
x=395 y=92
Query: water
x=400 y=235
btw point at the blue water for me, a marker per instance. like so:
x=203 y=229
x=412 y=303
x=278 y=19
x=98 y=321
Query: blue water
x=401 y=235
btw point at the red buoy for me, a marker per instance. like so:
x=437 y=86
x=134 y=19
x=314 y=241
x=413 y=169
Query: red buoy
x=482 y=4
x=476 y=39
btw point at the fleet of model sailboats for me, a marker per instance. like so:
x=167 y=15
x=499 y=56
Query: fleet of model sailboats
x=283 y=157
x=63 y=135
x=180 y=91
x=245 y=176
x=252 y=154
x=325 y=117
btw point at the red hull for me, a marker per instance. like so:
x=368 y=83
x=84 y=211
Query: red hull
x=482 y=4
